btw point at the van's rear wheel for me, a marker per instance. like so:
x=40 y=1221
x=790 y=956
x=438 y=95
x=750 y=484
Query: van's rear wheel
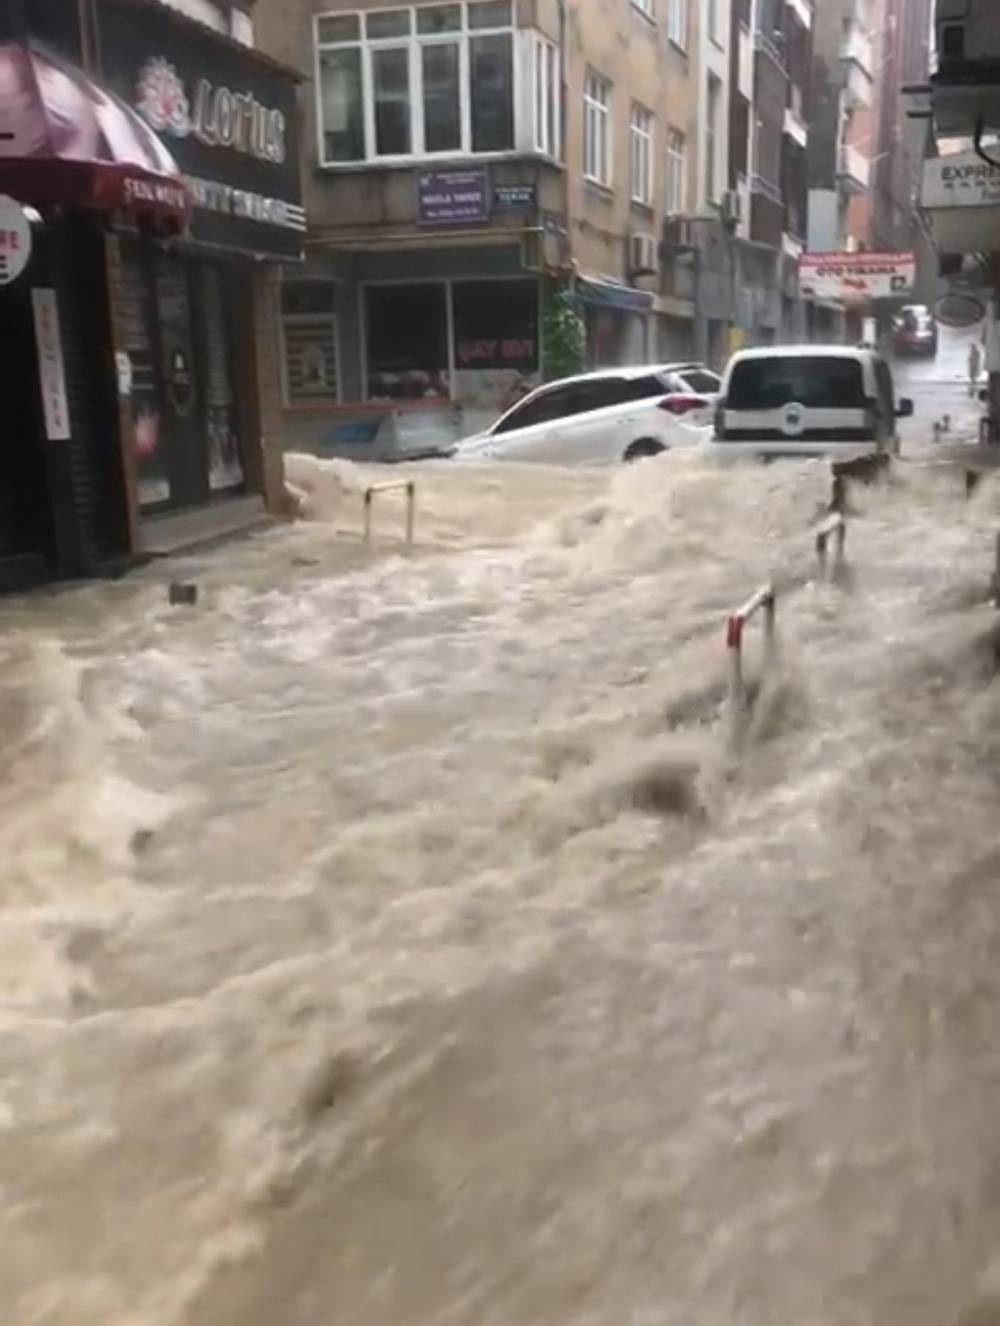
x=643 y=449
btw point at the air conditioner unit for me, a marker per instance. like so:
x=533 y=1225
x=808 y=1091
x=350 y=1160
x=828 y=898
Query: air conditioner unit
x=732 y=207
x=642 y=255
x=967 y=30
x=678 y=234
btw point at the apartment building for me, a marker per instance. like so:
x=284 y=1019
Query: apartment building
x=463 y=161
x=770 y=147
x=632 y=83
x=903 y=59
x=849 y=36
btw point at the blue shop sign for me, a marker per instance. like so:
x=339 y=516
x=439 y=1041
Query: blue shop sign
x=514 y=197
x=452 y=197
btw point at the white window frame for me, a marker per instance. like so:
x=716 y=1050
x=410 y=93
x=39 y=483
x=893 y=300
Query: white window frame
x=598 y=95
x=641 y=134
x=327 y=320
x=546 y=97
x=646 y=7
x=677 y=23
x=677 y=179
x=414 y=42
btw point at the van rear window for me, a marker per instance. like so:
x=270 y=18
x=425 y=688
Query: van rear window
x=815 y=381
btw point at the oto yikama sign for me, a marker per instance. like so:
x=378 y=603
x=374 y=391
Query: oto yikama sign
x=452 y=197
x=856 y=278
x=51 y=373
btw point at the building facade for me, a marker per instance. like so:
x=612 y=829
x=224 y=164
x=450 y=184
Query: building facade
x=468 y=165
x=770 y=147
x=154 y=157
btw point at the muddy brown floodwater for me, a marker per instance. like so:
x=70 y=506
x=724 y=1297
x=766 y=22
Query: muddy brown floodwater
x=400 y=941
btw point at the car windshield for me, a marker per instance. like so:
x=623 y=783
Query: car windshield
x=700 y=381
x=821 y=382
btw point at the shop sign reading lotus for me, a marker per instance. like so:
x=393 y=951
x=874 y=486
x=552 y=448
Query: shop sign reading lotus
x=217 y=116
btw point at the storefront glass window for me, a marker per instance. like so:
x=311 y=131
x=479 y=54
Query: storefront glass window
x=310 y=335
x=219 y=421
x=407 y=341
x=138 y=347
x=496 y=343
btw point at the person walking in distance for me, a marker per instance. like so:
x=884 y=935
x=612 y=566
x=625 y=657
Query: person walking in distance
x=975 y=366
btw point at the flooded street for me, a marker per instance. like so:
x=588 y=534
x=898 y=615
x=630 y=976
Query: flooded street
x=402 y=940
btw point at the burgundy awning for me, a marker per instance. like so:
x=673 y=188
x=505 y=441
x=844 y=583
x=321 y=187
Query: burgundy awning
x=65 y=140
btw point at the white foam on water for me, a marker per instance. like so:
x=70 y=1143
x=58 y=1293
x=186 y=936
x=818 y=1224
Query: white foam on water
x=401 y=938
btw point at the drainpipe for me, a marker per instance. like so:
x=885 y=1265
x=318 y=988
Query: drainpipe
x=564 y=118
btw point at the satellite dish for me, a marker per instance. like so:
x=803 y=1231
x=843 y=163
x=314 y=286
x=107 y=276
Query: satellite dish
x=959 y=309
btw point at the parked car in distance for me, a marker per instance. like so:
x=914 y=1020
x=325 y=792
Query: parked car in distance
x=809 y=400
x=915 y=331
x=617 y=414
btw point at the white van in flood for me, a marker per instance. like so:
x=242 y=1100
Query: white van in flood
x=809 y=400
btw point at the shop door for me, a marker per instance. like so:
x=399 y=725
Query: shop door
x=182 y=412
x=219 y=417
x=26 y=536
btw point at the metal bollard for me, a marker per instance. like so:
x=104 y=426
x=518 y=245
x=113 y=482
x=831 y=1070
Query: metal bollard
x=183 y=595
x=765 y=599
x=835 y=525
x=410 y=488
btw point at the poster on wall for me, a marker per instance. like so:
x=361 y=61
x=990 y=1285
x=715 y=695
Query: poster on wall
x=856 y=278
x=51 y=370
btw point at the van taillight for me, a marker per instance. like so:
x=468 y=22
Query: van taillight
x=683 y=404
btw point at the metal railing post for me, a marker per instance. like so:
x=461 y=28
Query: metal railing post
x=411 y=512
x=410 y=488
x=834 y=524
x=764 y=600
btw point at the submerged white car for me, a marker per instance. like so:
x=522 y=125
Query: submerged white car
x=618 y=414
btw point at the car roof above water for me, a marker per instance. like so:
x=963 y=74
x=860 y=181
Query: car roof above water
x=805 y=352
x=634 y=371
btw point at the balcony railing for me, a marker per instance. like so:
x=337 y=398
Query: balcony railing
x=857 y=47
x=796 y=127
x=858 y=86
x=853 y=169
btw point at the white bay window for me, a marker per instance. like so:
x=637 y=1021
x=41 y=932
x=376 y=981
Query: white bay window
x=433 y=80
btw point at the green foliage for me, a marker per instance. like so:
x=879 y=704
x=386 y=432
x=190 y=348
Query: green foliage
x=564 y=336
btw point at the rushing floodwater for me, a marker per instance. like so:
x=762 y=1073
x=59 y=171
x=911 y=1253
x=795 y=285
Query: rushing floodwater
x=401 y=942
